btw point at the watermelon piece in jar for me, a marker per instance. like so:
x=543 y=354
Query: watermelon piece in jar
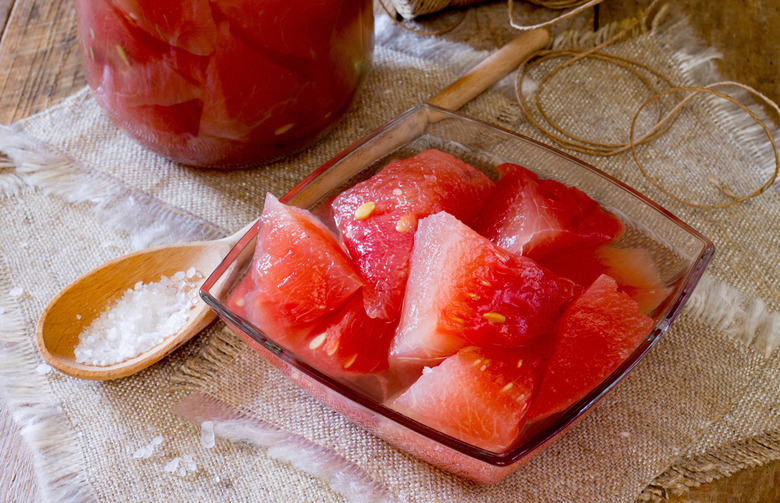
x=175 y=125
x=378 y=217
x=463 y=290
x=128 y=67
x=286 y=28
x=531 y=216
x=596 y=333
x=247 y=96
x=188 y=24
x=300 y=273
x=478 y=395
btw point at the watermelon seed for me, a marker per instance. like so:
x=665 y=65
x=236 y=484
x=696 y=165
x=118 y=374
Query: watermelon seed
x=519 y=363
x=476 y=362
x=456 y=319
x=494 y=317
x=501 y=257
x=472 y=296
x=404 y=223
x=485 y=282
x=317 y=341
x=122 y=54
x=284 y=129
x=365 y=210
x=332 y=349
x=482 y=368
x=507 y=387
x=350 y=361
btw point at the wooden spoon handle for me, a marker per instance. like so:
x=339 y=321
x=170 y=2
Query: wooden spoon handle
x=490 y=71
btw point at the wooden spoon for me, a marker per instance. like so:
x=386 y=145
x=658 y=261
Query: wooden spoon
x=75 y=307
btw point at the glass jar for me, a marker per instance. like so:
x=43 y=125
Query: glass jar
x=225 y=83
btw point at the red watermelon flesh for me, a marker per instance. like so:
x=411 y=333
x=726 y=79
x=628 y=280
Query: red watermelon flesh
x=341 y=344
x=253 y=104
x=255 y=107
x=177 y=124
x=637 y=274
x=402 y=193
x=127 y=64
x=188 y=25
x=478 y=395
x=283 y=26
x=300 y=270
x=463 y=290
x=530 y=216
x=634 y=270
x=247 y=302
x=349 y=342
x=595 y=334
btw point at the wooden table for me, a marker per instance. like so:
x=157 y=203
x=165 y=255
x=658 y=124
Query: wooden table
x=39 y=66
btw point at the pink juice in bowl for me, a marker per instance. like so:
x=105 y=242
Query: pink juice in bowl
x=225 y=83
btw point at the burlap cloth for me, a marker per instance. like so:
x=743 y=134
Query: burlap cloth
x=76 y=192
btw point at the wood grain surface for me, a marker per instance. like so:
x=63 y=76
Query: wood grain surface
x=39 y=67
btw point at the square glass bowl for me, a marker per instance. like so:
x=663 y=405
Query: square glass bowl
x=679 y=251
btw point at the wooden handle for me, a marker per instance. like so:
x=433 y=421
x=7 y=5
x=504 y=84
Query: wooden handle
x=491 y=70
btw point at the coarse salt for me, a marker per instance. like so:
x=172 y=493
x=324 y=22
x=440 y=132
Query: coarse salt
x=43 y=369
x=189 y=463
x=16 y=291
x=207 y=434
x=146 y=451
x=142 y=318
x=172 y=465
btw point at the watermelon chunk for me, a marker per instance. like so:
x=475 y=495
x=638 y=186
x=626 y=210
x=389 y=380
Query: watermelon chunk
x=349 y=342
x=300 y=271
x=595 y=334
x=282 y=26
x=342 y=344
x=634 y=270
x=478 y=395
x=130 y=66
x=258 y=103
x=463 y=290
x=187 y=25
x=534 y=217
x=403 y=192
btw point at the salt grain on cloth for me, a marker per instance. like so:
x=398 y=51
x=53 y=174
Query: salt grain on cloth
x=207 y=434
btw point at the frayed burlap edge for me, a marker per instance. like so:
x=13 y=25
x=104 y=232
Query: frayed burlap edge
x=59 y=466
x=746 y=320
x=28 y=164
x=220 y=350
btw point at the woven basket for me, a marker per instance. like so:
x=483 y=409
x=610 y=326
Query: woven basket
x=410 y=9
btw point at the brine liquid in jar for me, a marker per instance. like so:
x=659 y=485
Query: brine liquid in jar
x=225 y=83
